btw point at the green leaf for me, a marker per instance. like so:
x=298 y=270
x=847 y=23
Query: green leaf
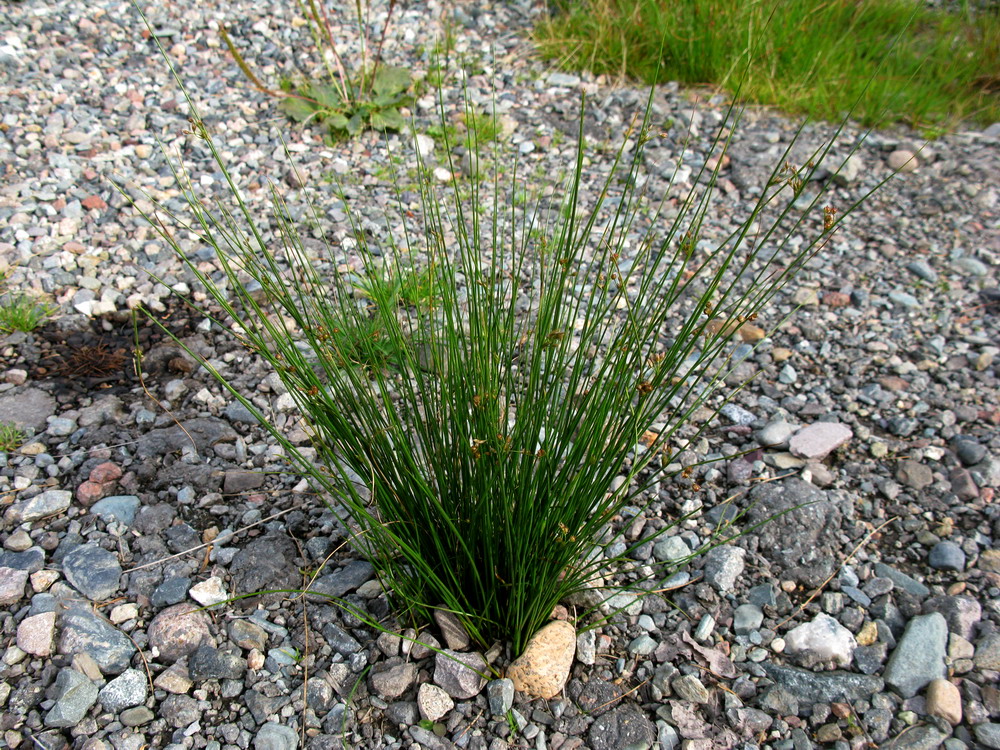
x=391 y=81
x=297 y=109
x=327 y=95
x=388 y=119
x=336 y=121
x=356 y=124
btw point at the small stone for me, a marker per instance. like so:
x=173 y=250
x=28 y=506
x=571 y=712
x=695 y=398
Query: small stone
x=121 y=508
x=623 y=727
x=723 y=566
x=746 y=618
x=174 y=679
x=105 y=472
x=452 y=630
x=828 y=733
x=392 y=680
x=819 y=440
x=172 y=591
x=209 y=663
x=500 y=694
x=75 y=694
x=85 y=633
x=126 y=690
x=273 y=736
x=914 y=474
x=93 y=571
x=209 y=592
x=688 y=687
x=433 y=702
x=43 y=505
x=903 y=161
x=642 y=646
x=988 y=653
x=671 y=550
x=178 y=631
x=18 y=541
x=823 y=640
x=542 y=670
x=919 y=656
x=247 y=634
x=12 y=584
x=123 y=613
x=136 y=717
x=947 y=555
x=35 y=634
x=944 y=700
x=462 y=675
x=775 y=435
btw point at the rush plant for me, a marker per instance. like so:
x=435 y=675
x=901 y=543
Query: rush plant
x=567 y=343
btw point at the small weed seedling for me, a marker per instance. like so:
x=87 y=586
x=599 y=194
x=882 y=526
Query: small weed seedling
x=11 y=436
x=21 y=312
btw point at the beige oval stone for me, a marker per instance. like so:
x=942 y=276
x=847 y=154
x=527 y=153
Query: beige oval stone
x=944 y=701
x=36 y=633
x=542 y=670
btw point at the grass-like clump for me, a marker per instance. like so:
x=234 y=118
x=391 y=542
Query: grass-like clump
x=883 y=60
x=12 y=437
x=23 y=312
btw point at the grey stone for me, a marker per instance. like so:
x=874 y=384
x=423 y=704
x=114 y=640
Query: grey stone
x=85 y=632
x=204 y=432
x=261 y=706
x=962 y=613
x=919 y=656
x=267 y=563
x=988 y=735
x=723 y=566
x=800 y=525
x=775 y=435
x=688 y=687
x=624 y=727
x=828 y=687
x=180 y=710
x=597 y=696
x=345 y=580
x=671 y=549
x=452 y=630
x=172 y=591
x=914 y=474
x=126 y=690
x=869 y=659
x=763 y=595
x=747 y=617
x=42 y=505
x=75 y=694
x=916 y=738
x=93 y=571
x=29 y=408
x=392 y=679
x=921 y=269
x=209 y=663
x=136 y=717
x=500 y=694
x=947 y=555
x=902 y=580
x=642 y=646
x=988 y=653
x=247 y=634
x=274 y=736
x=969 y=452
x=462 y=675
x=30 y=560
x=563 y=79
x=340 y=640
x=426 y=738
x=121 y=508
x=405 y=713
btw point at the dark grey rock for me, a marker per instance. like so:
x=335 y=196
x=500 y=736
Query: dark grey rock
x=392 y=678
x=121 y=508
x=778 y=700
x=93 y=571
x=914 y=474
x=947 y=555
x=623 y=727
x=597 y=696
x=723 y=567
x=919 y=656
x=274 y=736
x=801 y=541
x=262 y=706
x=348 y=578
x=404 y=713
x=208 y=663
x=969 y=452
x=500 y=694
x=126 y=690
x=74 y=695
x=267 y=563
x=461 y=675
x=763 y=595
x=428 y=739
x=85 y=632
x=238 y=481
x=962 y=613
x=988 y=734
x=180 y=710
x=171 y=591
x=902 y=580
x=247 y=634
x=340 y=640
x=237 y=412
x=869 y=659
x=827 y=687
x=203 y=431
x=917 y=738
x=31 y=559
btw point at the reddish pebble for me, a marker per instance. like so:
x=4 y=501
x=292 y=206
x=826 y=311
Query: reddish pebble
x=836 y=299
x=94 y=201
x=89 y=493
x=986 y=494
x=106 y=472
x=90 y=174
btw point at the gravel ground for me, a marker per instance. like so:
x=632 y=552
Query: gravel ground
x=868 y=617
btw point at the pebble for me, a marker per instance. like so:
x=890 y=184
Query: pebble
x=434 y=703
x=12 y=583
x=178 y=631
x=93 y=571
x=688 y=687
x=274 y=736
x=902 y=161
x=819 y=440
x=500 y=694
x=747 y=618
x=462 y=675
x=944 y=701
x=74 y=695
x=947 y=556
x=83 y=632
x=723 y=567
x=124 y=691
x=914 y=474
x=43 y=505
x=35 y=634
x=919 y=657
x=987 y=654
x=543 y=668
x=391 y=680
x=820 y=641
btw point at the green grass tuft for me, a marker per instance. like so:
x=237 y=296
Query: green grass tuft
x=21 y=312
x=12 y=437
x=894 y=59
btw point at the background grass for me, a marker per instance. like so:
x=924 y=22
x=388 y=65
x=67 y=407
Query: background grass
x=818 y=58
